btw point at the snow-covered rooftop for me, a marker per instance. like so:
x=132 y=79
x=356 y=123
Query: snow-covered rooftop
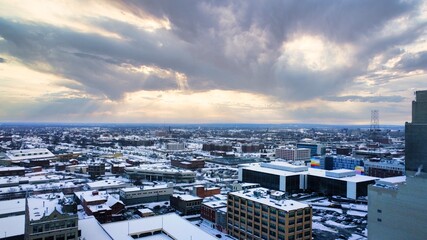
x=171 y=224
x=260 y=195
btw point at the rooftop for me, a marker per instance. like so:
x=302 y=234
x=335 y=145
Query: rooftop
x=171 y=224
x=261 y=195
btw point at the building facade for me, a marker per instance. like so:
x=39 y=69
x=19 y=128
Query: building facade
x=186 y=204
x=145 y=194
x=161 y=174
x=397 y=208
x=293 y=154
x=51 y=219
x=252 y=214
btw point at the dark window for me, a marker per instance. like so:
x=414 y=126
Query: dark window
x=379 y=220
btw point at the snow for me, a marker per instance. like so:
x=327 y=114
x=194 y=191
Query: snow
x=357 y=213
x=12 y=226
x=172 y=224
x=319 y=226
x=332 y=223
x=286 y=205
x=91 y=229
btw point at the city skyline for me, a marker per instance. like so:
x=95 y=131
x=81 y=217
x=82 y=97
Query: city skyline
x=211 y=62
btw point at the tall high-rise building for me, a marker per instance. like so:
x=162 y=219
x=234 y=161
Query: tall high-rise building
x=397 y=206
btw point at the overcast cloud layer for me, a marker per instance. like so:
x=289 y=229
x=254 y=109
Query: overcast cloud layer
x=211 y=61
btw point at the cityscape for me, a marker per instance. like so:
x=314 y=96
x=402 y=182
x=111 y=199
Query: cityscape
x=199 y=120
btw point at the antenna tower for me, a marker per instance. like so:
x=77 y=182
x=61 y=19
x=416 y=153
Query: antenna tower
x=375 y=124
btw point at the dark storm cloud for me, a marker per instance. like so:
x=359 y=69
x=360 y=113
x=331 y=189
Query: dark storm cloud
x=371 y=99
x=218 y=45
x=2 y=60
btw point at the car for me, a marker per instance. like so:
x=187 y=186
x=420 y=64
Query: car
x=218 y=235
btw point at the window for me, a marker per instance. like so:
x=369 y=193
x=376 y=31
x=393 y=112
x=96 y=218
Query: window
x=379 y=219
x=379 y=211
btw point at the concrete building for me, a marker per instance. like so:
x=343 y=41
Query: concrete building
x=333 y=162
x=291 y=178
x=316 y=149
x=293 y=154
x=145 y=194
x=175 y=146
x=168 y=226
x=161 y=174
x=12 y=171
x=51 y=218
x=188 y=164
x=253 y=214
x=384 y=169
x=186 y=204
x=31 y=157
x=397 y=208
x=96 y=169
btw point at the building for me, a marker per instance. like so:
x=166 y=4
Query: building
x=146 y=194
x=333 y=162
x=118 y=168
x=397 y=207
x=51 y=218
x=188 y=164
x=175 y=146
x=223 y=147
x=186 y=204
x=168 y=226
x=12 y=171
x=252 y=148
x=293 y=154
x=316 y=149
x=162 y=174
x=293 y=178
x=384 y=169
x=96 y=169
x=209 y=210
x=253 y=214
x=99 y=204
x=202 y=191
x=33 y=157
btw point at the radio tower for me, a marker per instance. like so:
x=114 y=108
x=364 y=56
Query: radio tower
x=375 y=124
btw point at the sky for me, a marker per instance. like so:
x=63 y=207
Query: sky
x=311 y=61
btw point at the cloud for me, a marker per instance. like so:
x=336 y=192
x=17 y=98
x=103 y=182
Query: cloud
x=2 y=60
x=288 y=51
x=370 y=99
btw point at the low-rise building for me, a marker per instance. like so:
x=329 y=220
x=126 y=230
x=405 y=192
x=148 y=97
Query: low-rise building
x=162 y=174
x=188 y=164
x=51 y=218
x=186 y=204
x=28 y=156
x=202 y=191
x=145 y=194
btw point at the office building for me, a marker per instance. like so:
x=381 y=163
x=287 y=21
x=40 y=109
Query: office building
x=333 y=162
x=384 y=169
x=253 y=214
x=175 y=146
x=293 y=178
x=316 y=149
x=146 y=194
x=162 y=174
x=397 y=207
x=202 y=191
x=293 y=154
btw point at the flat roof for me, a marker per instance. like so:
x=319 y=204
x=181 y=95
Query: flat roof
x=12 y=206
x=12 y=226
x=172 y=224
x=187 y=197
x=260 y=195
x=91 y=229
